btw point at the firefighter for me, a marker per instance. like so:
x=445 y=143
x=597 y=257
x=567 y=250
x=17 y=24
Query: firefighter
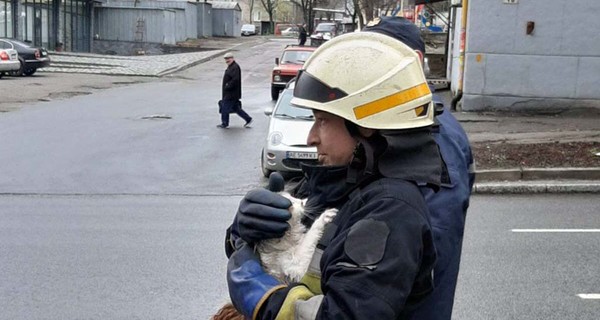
x=373 y=120
x=447 y=207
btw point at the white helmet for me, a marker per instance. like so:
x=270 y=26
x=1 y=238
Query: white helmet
x=368 y=78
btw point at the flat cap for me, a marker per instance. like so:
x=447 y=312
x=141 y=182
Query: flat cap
x=228 y=55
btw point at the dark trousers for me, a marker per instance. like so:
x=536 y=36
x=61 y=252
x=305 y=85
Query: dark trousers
x=231 y=106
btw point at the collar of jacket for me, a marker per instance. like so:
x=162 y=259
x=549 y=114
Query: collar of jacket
x=325 y=187
x=411 y=155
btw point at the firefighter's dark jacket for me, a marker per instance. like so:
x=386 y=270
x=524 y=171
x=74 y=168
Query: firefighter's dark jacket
x=377 y=262
x=232 y=82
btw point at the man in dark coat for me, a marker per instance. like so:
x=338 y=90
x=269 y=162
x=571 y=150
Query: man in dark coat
x=302 y=35
x=232 y=93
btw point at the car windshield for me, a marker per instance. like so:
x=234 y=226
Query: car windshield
x=286 y=110
x=325 y=27
x=295 y=57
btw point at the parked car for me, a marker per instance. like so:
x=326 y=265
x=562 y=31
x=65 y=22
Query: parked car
x=285 y=147
x=290 y=32
x=292 y=59
x=248 y=29
x=9 y=60
x=31 y=58
x=323 y=32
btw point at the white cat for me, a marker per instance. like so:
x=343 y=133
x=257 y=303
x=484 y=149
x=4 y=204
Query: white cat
x=287 y=258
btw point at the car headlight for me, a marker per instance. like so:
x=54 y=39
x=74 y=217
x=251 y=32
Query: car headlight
x=327 y=36
x=275 y=138
x=277 y=78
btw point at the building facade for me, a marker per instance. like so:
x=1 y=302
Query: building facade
x=530 y=54
x=54 y=24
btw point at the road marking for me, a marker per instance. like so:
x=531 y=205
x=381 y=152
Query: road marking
x=555 y=230
x=589 y=296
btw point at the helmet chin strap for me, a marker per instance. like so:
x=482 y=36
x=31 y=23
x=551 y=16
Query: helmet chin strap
x=363 y=164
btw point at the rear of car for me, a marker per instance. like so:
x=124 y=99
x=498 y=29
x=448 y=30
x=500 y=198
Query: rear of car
x=292 y=59
x=323 y=32
x=285 y=147
x=9 y=61
x=30 y=57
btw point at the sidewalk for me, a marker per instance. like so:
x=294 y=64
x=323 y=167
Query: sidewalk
x=150 y=66
x=536 y=127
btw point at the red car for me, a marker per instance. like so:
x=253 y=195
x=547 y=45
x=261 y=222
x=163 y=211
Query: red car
x=292 y=59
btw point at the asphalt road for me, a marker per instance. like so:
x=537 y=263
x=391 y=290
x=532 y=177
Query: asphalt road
x=108 y=214
x=509 y=272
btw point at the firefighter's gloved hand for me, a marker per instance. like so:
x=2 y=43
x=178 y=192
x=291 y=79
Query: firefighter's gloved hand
x=263 y=214
x=248 y=283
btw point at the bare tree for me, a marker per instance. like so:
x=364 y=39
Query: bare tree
x=251 y=8
x=307 y=11
x=270 y=6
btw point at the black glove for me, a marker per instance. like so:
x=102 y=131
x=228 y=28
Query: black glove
x=263 y=214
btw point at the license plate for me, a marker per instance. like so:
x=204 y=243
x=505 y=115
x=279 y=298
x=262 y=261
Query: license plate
x=300 y=155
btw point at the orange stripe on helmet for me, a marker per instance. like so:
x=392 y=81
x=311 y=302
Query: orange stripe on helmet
x=386 y=103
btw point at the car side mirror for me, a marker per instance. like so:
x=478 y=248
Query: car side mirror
x=268 y=111
x=277 y=61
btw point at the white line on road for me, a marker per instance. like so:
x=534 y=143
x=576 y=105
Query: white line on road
x=555 y=230
x=589 y=296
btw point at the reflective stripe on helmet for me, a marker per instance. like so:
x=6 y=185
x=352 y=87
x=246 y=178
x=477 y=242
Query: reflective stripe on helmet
x=391 y=101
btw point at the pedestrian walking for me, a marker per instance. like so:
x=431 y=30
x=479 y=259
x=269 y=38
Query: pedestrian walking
x=232 y=93
x=302 y=35
x=373 y=117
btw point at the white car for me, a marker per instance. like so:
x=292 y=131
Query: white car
x=290 y=32
x=9 y=60
x=285 y=147
x=248 y=29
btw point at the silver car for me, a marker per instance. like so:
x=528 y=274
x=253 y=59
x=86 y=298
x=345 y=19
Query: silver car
x=9 y=59
x=285 y=147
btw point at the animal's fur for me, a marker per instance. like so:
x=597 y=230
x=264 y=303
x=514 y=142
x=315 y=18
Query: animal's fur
x=287 y=258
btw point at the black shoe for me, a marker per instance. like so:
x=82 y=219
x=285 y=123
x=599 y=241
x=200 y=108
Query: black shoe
x=247 y=125
x=222 y=126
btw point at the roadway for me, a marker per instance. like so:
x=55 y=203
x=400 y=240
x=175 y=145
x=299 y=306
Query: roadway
x=110 y=212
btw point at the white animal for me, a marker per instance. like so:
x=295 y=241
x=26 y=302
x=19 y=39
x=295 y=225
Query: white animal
x=287 y=258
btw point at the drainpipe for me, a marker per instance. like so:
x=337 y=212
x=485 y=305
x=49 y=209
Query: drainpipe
x=461 y=55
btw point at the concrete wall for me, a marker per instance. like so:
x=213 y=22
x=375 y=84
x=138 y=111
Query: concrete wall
x=226 y=23
x=204 y=14
x=186 y=15
x=121 y=24
x=557 y=66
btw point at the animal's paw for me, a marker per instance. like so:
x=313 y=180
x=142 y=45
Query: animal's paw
x=328 y=215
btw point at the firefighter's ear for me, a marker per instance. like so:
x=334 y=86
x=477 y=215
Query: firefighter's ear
x=420 y=54
x=366 y=132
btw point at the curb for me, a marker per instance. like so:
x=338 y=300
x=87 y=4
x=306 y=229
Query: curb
x=528 y=174
x=537 y=180
x=207 y=58
x=537 y=187
x=189 y=65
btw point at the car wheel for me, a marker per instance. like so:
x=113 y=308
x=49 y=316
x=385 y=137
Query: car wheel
x=266 y=172
x=30 y=71
x=19 y=72
x=274 y=93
